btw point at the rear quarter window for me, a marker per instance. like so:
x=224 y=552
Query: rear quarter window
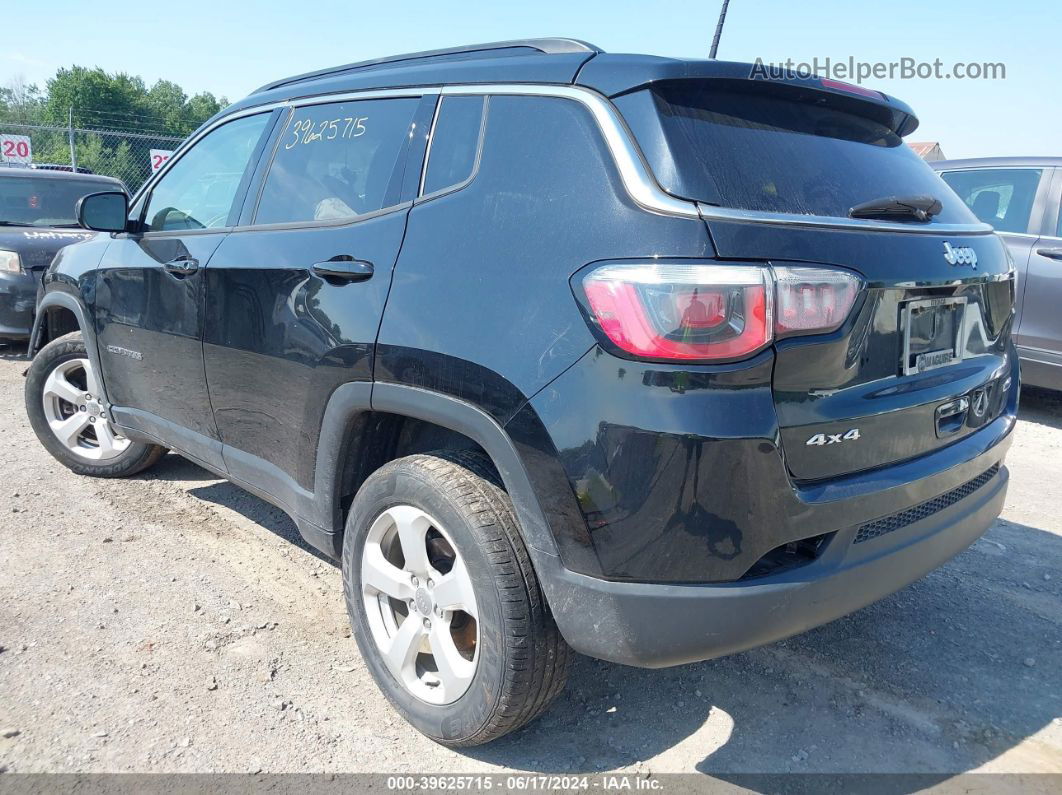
x=455 y=143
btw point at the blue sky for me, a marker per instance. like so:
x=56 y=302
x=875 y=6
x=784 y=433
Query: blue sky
x=230 y=47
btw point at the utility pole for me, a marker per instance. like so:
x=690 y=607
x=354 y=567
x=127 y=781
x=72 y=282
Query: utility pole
x=718 y=30
x=70 y=133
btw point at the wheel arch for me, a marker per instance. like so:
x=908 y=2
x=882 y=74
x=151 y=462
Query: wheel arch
x=58 y=314
x=351 y=405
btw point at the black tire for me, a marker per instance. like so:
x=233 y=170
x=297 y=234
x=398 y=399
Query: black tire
x=523 y=662
x=135 y=458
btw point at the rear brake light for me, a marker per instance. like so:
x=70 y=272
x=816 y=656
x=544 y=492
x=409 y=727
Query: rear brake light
x=693 y=311
x=837 y=85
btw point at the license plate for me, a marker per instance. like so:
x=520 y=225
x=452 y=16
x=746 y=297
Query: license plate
x=932 y=333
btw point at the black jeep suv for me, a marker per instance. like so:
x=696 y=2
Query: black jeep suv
x=555 y=350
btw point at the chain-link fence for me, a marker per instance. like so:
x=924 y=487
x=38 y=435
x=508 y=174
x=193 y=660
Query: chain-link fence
x=130 y=156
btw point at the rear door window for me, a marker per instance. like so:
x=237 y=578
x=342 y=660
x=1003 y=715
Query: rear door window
x=338 y=161
x=454 y=143
x=1002 y=197
x=751 y=146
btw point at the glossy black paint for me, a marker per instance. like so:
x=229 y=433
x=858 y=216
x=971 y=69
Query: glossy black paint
x=149 y=328
x=481 y=307
x=680 y=477
x=279 y=338
x=848 y=380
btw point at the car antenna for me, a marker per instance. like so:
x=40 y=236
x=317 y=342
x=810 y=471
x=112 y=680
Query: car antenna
x=718 y=30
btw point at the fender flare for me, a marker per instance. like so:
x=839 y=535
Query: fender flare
x=351 y=399
x=67 y=301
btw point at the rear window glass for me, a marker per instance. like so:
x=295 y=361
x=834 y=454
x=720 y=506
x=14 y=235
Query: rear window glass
x=1002 y=197
x=754 y=149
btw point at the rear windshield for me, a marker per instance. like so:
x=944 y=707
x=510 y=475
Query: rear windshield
x=757 y=149
x=29 y=201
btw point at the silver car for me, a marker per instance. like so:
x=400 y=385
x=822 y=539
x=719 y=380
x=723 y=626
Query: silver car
x=1020 y=197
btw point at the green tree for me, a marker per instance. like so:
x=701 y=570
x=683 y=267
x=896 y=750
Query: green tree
x=120 y=101
x=102 y=107
x=93 y=94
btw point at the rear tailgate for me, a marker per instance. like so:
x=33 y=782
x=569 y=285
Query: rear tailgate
x=849 y=401
x=922 y=358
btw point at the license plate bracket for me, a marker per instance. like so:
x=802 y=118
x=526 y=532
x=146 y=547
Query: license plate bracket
x=933 y=333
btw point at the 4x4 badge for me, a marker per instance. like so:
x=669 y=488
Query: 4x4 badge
x=960 y=255
x=820 y=439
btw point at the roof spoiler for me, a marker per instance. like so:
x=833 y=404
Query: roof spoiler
x=615 y=75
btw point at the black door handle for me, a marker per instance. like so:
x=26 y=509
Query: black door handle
x=344 y=268
x=182 y=266
x=1050 y=253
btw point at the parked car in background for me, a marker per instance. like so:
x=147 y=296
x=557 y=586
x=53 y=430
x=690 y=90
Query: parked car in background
x=499 y=337
x=37 y=218
x=1021 y=197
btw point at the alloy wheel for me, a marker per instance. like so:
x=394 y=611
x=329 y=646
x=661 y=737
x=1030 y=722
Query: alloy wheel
x=420 y=604
x=74 y=409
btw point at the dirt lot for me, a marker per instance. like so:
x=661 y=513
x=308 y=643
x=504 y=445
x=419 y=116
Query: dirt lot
x=174 y=623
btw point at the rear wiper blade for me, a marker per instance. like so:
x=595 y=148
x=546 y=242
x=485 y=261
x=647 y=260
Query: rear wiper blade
x=921 y=208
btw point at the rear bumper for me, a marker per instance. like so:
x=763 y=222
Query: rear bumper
x=658 y=625
x=18 y=297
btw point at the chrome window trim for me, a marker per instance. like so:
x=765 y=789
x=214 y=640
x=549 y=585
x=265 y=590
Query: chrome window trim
x=427 y=149
x=634 y=172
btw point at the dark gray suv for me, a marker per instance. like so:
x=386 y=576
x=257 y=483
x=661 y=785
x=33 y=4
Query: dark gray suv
x=1020 y=197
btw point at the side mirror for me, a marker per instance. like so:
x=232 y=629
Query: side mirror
x=103 y=212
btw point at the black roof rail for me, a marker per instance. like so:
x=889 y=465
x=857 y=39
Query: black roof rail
x=546 y=46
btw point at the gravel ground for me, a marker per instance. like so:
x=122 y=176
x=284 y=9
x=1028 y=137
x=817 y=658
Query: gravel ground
x=174 y=623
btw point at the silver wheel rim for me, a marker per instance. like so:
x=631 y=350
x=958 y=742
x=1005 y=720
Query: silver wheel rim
x=420 y=604
x=73 y=407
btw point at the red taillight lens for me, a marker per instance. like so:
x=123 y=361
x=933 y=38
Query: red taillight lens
x=681 y=311
x=713 y=312
x=812 y=299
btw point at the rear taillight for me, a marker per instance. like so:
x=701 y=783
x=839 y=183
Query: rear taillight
x=812 y=300
x=695 y=311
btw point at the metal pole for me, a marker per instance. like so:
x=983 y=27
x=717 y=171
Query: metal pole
x=70 y=129
x=718 y=30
